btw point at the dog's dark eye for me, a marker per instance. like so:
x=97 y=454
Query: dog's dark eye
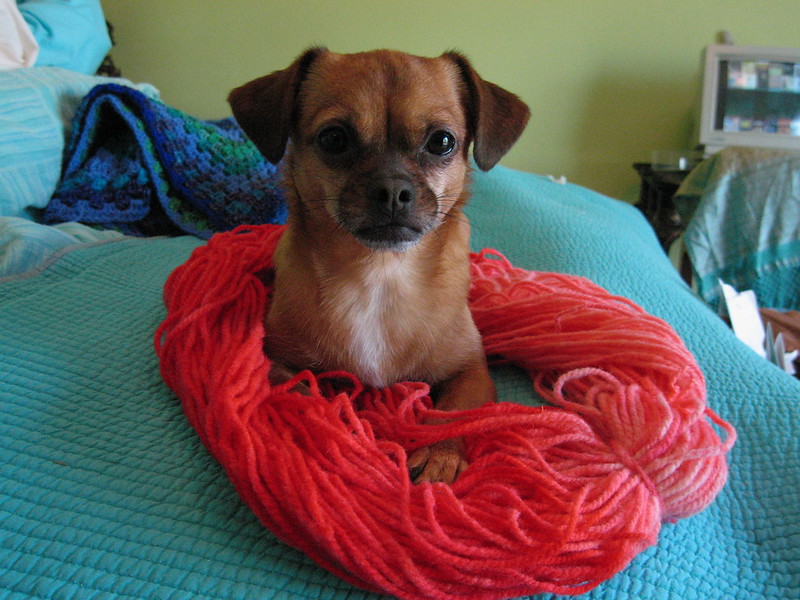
x=333 y=140
x=441 y=143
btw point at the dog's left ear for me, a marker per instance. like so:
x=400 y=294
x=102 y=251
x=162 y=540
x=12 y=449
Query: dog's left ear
x=265 y=108
x=496 y=116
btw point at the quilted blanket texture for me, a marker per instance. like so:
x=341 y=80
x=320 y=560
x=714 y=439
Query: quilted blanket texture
x=106 y=491
x=135 y=164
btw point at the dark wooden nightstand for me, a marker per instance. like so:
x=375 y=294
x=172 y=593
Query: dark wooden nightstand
x=655 y=201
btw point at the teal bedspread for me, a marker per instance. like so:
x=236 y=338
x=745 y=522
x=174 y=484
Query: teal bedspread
x=106 y=491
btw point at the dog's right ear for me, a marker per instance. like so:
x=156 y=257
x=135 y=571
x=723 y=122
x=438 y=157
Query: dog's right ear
x=496 y=116
x=265 y=108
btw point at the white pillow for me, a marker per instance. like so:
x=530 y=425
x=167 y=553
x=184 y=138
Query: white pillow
x=18 y=47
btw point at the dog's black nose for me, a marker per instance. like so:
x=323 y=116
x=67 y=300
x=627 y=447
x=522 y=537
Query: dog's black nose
x=394 y=195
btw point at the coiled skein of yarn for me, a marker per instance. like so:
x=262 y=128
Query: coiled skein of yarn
x=556 y=499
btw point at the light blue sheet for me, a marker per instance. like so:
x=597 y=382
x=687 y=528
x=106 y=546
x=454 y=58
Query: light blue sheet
x=106 y=492
x=27 y=246
x=72 y=34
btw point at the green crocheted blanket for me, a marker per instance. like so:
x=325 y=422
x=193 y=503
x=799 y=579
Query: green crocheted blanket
x=137 y=165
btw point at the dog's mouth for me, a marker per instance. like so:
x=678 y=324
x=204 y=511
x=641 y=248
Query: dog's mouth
x=382 y=218
x=390 y=236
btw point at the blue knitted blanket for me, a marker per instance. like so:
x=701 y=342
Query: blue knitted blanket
x=139 y=166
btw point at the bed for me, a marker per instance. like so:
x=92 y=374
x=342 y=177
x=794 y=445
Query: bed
x=107 y=492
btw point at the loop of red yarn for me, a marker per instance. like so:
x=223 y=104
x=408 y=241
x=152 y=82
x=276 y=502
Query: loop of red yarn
x=556 y=499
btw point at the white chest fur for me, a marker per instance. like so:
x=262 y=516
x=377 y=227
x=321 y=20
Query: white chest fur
x=376 y=315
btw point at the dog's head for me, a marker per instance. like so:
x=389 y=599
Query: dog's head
x=378 y=142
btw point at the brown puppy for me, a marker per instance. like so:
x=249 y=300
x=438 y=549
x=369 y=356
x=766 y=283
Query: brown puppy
x=372 y=273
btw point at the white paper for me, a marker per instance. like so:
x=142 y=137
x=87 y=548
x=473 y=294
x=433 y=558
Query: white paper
x=745 y=320
x=748 y=327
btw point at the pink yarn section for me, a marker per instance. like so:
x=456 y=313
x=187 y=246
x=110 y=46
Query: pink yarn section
x=556 y=499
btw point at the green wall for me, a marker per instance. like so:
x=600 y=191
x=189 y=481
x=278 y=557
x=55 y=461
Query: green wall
x=608 y=81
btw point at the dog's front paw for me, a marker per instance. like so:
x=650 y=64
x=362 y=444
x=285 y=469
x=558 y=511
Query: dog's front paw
x=442 y=461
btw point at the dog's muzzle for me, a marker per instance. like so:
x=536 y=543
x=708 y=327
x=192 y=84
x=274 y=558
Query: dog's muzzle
x=391 y=222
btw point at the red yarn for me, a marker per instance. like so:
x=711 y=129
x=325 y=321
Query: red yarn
x=556 y=499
